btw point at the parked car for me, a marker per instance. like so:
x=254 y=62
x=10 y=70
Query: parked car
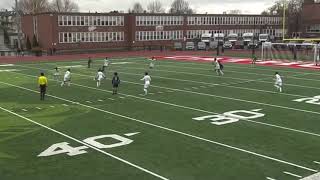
x=239 y=45
x=177 y=46
x=213 y=44
x=227 y=45
x=253 y=44
x=202 y=46
x=190 y=46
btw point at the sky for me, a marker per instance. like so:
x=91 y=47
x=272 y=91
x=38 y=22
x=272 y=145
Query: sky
x=201 y=6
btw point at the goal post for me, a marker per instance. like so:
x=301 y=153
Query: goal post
x=292 y=52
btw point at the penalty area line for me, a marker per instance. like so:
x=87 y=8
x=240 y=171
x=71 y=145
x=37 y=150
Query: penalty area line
x=85 y=144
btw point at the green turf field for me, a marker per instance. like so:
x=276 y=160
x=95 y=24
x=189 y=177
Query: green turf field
x=193 y=125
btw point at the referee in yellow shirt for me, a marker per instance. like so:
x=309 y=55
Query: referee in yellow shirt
x=43 y=83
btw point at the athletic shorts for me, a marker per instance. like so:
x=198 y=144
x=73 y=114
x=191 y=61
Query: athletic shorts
x=66 y=79
x=43 y=88
x=115 y=85
x=279 y=83
x=146 y=85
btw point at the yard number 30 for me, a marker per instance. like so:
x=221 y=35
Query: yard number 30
x=231 y=117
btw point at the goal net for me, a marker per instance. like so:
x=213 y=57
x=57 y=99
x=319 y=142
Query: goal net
x=290 y=52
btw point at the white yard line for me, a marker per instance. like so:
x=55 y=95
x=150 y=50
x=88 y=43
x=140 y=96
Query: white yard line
x=292 y=174
x=237 y=66
x=223 y=85
x=66 y=105
x=38 y=108
x=85 y=144
x=173 y=131
x=241 y=72
x=225 y=77
x=111 y=99
x=194 y=109
x=316 y=162
x=269 y=178
x=24 y=110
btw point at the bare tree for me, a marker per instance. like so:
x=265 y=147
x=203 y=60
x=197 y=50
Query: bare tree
x=155 y=7
x=137 y=8
x=235 y=11
x=33 y=6
x=275 y=9
x=180 y=7
x=64 y=6
x=293 y=10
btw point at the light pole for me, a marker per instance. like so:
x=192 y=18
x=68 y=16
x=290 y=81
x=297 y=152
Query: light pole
x=218 y=47
x=18 y=18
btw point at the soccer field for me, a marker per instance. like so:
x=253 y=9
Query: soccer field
x=193 y=124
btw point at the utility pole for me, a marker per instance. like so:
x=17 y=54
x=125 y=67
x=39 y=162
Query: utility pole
x=18 y=23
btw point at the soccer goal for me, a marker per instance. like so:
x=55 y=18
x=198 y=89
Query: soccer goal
x=307 y=52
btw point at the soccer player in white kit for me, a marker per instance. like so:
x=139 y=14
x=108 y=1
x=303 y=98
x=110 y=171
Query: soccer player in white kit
x=99 y=77
x=278 y=83
x=153 y=60
x=218 y=68
x=66 y=78
x=105 y=64
x=147 y=81
x=56 y=74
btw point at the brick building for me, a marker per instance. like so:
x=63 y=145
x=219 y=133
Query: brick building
x=311 y=19
x=70 y=31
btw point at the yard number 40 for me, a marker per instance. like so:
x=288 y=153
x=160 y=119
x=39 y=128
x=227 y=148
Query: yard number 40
x=65 y=148
x=231 y=117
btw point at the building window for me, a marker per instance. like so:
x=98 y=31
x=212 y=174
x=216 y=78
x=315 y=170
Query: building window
x=313 y=28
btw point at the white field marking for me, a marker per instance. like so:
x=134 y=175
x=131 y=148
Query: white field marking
x=89 y=102
x=316 y=162
x=24 y=110
x=160 y=92
x=249 y=80
x=73 y=66
x=66 y=105
x=38 y=108
x=240 y=72
x=121 y=97
x=194 y=109
x=120 y=63
x=269 y=178
x=85 y=144
x=291 y=174
x=312 y=177
x=231 y=65
x=223 y=85
x=111 y=99
x=8 y=70
x=100 y=100
x=172 y=130
x=52 y=106
x=132 y=134
x=6 y=65
x=195 y=88
x=151 y=93
x=214 y=85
